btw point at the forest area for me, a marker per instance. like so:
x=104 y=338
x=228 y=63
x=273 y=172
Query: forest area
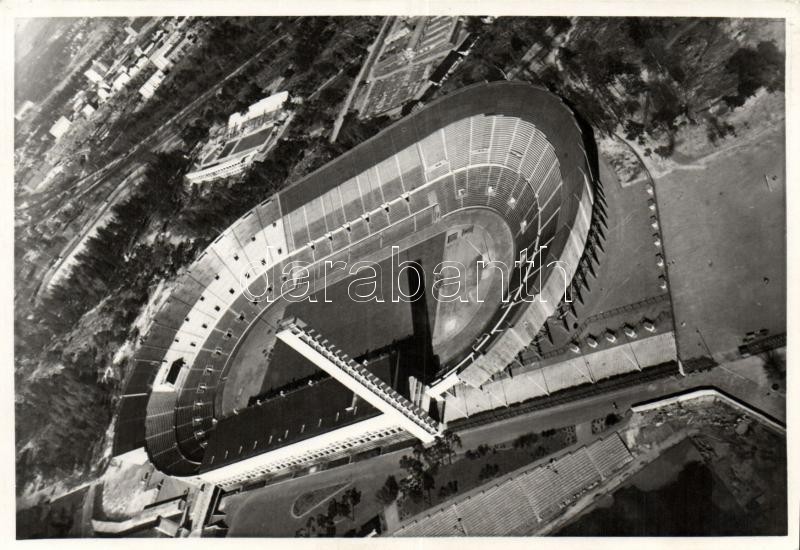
x=645 y=77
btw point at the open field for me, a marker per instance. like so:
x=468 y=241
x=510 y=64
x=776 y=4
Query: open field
x=724 y=230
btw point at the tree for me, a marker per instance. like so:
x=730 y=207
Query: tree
x=449 y=441
x=353 y=497
x=525 y=440
x=339 y=508
x=428 y=483
x=754 y=68
x=325 y=526
x=412 y=484
x=333 y=508
x=388 y=493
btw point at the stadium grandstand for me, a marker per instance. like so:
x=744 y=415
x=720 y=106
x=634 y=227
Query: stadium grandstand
x=505 y=156
x=523 y=501
x=247 y=136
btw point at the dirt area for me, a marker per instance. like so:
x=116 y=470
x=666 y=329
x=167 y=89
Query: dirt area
x=724 y=231
x=759 y=114
x=748 y=459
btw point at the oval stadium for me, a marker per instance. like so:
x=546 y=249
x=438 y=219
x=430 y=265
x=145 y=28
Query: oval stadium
x=237 y=378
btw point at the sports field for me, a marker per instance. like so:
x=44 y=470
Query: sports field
x=724 y=228
x=253 y=140
x=472 y=236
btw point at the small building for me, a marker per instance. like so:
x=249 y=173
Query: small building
x=149 y=88
x=88 y=110
x=121 y=81
x=60 y=127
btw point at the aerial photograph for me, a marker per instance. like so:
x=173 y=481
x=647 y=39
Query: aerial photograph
x=399 y=276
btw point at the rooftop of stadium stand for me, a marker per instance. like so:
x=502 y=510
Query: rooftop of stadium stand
x=504 y=101
x=297 y=415
x=505 y=97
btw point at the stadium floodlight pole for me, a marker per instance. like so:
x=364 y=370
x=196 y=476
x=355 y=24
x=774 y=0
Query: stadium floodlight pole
x=703 y=340
x=588 y=368
x=630 y=345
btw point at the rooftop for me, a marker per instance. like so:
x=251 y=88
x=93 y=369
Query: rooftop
x=298 y=415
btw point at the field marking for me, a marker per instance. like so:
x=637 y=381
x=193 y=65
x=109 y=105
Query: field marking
x=320 y=503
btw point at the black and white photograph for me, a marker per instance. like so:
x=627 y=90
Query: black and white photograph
x=420 y=275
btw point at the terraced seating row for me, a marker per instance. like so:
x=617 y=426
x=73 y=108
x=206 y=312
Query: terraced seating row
x=518 y=503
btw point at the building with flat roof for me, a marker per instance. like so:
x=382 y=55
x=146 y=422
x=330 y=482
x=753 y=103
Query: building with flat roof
x=96 y=72
x=149 y=88
x=60 y=127
x=248 y=135
x=88 y=110
x=120 y=81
